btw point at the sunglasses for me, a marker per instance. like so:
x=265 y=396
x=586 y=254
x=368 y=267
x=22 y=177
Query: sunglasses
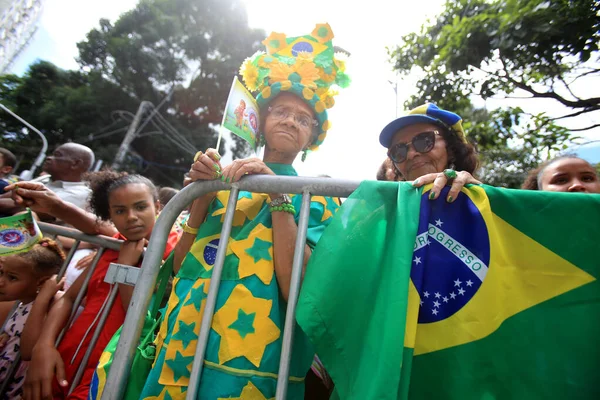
x=423 y=143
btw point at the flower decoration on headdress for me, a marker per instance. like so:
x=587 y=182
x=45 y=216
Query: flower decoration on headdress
x=306 y=66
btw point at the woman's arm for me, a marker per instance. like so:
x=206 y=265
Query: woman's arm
x=37 y=315
x=285 y=231
x=42 y=200
x=197 y=216
x=206 y=166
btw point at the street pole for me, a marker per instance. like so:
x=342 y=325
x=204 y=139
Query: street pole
x=40 y=158
x=129 y=136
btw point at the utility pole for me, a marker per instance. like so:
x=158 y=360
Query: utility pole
x=129 y=136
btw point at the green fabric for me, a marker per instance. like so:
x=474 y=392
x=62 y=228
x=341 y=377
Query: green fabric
x=244 y=344
x=527 y=329
x=145 y=352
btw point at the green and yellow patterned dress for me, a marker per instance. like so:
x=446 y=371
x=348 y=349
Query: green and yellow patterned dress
x=244 y=345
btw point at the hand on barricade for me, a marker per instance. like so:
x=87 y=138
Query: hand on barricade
x=441 y=179
x=247 y=166
x=45 y=364
x=86 y=261
x=131 y=252
x=50 y=287
x=35 y=196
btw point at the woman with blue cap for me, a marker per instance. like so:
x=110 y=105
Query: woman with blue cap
x=428 y=145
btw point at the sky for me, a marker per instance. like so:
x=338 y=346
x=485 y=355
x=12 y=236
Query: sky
x=352 y=149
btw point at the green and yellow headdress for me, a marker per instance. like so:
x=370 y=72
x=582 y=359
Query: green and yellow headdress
x=307 y=66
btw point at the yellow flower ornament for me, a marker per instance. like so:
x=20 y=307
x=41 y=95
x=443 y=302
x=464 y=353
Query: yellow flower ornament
x=306 y=66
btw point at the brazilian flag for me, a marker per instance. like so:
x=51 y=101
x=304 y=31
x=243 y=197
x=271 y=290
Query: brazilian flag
x=494 y=296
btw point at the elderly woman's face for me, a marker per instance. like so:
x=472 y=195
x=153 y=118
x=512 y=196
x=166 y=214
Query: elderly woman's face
x=570 y=175
x=418 y=164
x=289 y=124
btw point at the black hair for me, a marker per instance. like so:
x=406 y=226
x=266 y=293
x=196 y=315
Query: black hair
x=9 y=158
x=165 y=194
x=103 y=183
x=45 y=256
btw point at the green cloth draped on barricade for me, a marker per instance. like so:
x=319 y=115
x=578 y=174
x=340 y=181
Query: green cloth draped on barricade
x=493 y=296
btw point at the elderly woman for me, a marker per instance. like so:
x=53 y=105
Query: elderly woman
x=564 y=174
x=244 y=345
x=429 y=145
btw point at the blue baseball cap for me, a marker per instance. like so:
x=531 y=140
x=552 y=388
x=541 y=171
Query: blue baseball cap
x=428 y=114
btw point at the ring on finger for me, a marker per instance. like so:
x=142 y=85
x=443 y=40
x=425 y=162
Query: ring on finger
x=450 y=173
x=198 y=155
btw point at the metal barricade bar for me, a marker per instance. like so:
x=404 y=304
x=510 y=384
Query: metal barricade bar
x=290 y=316
x=142 y=293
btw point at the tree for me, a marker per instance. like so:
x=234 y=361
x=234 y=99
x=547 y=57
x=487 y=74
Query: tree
x=182 y=53
x=163 y=44
x=504 y=48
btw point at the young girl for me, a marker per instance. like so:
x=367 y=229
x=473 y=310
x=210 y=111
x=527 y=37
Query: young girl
x=130 y=202
x=24 y=278
x=564 y=174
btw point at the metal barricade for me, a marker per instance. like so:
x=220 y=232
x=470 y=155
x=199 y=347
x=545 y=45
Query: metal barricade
x=102 y=243
x=142 y=294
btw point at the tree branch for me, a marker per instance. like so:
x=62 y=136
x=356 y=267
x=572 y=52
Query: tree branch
x=560 y=78
x=591 y=102
x=575 y=114
x=585 y=129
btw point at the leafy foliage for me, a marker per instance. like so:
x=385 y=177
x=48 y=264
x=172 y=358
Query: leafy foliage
x=182 y=52
x=501 y=48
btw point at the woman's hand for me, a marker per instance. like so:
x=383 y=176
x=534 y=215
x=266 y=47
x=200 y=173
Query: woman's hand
x=206 y=166
x=248 y=166
x=86 y=261
x=45 y=363
x=50 y=287
x=35 y=196
x=440 y=180
x=131 y=252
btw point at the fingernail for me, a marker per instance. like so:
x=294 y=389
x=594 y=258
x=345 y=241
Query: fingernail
x=223 y=178
x=218 y=156
x=431 y=195
x=227 y=180
x=216 y=167
x=64 y=383
x=217 y=174
x=450 y=199
x=415 y=182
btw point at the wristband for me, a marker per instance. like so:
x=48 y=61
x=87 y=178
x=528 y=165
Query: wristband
x=189 y=229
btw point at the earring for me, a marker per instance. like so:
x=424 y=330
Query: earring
x=304 y=153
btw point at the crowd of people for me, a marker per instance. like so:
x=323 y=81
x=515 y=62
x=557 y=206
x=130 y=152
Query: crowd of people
x=426 y=146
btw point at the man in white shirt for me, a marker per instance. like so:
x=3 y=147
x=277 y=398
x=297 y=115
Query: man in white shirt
x=66 y=166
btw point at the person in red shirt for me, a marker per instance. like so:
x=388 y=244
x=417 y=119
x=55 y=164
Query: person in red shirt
x=130 y=202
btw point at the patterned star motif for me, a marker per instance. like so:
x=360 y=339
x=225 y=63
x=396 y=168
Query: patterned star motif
x=170 y=393
x=249 y=392
x=248 y=206
x=417 y=260
x=179 y=366
x=255 y=254
x=244 y=323
x=328 y=206
x=253 y=344
x=185 y=334
x=197 y=296
x=260 y=250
